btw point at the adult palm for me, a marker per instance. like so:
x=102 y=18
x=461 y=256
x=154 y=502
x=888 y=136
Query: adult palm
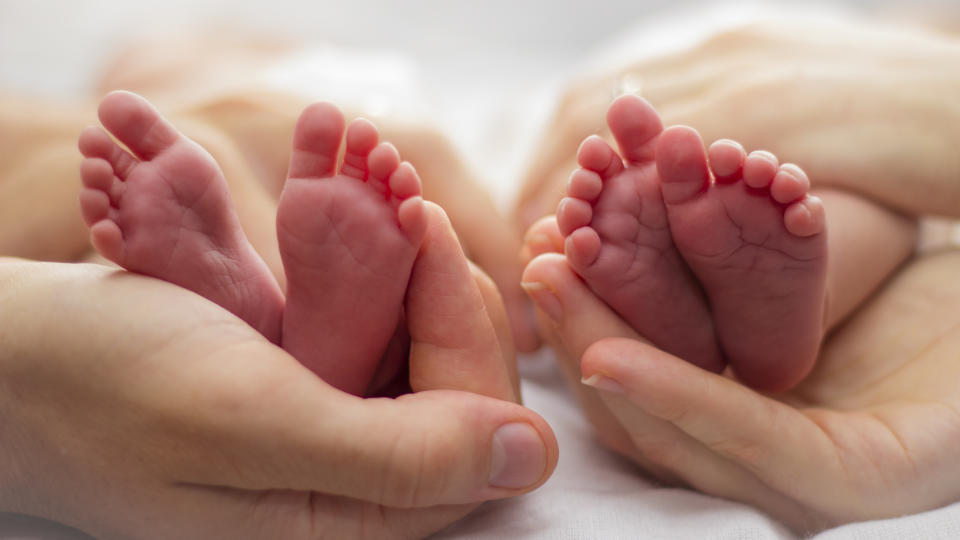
x=870 y=434
x=133 y=408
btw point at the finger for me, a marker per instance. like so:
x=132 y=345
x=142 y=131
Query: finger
x=494 y=246
x=275 y=426
x=486 y=236
x=203 y=399
x=542 y=237
x=550 y=272
x=778 y=444
x=674 y=457
x=295 y=515
x=453 y=342
x=501 y=325
x=338 y=517
x=583 y=324
x=580 y=319
x=555 y=289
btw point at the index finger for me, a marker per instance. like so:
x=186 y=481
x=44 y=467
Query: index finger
x=779 y=444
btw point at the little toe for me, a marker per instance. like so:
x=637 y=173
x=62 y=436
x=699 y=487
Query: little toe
x=682 y=165
x=789 y=184
x=596 y=155
x=582 y=248
x=585 y=185
x=107 y=239
x=316 y=142
x=726 y=160
x=572 y=214
x=759 y=169
x=362 y=138
x=137 y=124
x=94 y=205
x=805 y=217
x=635 y=125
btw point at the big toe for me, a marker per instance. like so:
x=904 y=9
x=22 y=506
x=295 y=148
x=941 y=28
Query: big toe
x=316 y=141
x=635 y=125
x=136 y=123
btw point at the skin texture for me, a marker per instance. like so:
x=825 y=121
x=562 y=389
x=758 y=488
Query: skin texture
x=202 y=84
x=867 y=434
x=161 y=207
x=648 y=446
x=212 y=84
x=730 y=245
x=348 y=239
x=239 y=439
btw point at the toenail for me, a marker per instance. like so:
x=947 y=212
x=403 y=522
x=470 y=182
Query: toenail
x=604 y=383
x=537 y=240
x=544 y=298
x=519 y=456
x=763 y=154
x=729 y=142
x=794 y=170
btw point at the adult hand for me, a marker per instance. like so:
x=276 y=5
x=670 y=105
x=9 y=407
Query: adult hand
x=134 y=408
x=869 y=434
x=863 y=108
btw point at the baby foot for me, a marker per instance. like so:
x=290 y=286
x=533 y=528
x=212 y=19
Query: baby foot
x=618 y=238
x=348 y=241
x=756 y=240
x=163 y=209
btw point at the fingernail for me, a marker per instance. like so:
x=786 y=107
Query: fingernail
x=519 y=456
x=544 y=299
x=540 y=242
x=604 y=383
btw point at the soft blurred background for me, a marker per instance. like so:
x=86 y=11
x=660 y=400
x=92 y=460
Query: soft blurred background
x=485 y=72
x=488 y=70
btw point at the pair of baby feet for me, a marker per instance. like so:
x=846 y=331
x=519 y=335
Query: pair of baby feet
x=717 y=261
x=718 y=258
x=348 y=234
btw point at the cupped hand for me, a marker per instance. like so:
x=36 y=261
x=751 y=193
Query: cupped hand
x=870 y=434
x=131 y=407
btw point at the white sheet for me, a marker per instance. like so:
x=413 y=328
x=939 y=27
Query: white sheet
x=506 y=60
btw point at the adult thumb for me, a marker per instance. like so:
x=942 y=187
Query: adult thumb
x=436 y=447
x=449 y=447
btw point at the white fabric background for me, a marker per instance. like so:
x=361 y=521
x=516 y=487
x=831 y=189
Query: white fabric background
x=486 y=73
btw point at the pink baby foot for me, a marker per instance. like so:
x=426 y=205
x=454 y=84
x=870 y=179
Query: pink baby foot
x=618 y=238
x=757 y=242
x=163 y=209
x=348 y=242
